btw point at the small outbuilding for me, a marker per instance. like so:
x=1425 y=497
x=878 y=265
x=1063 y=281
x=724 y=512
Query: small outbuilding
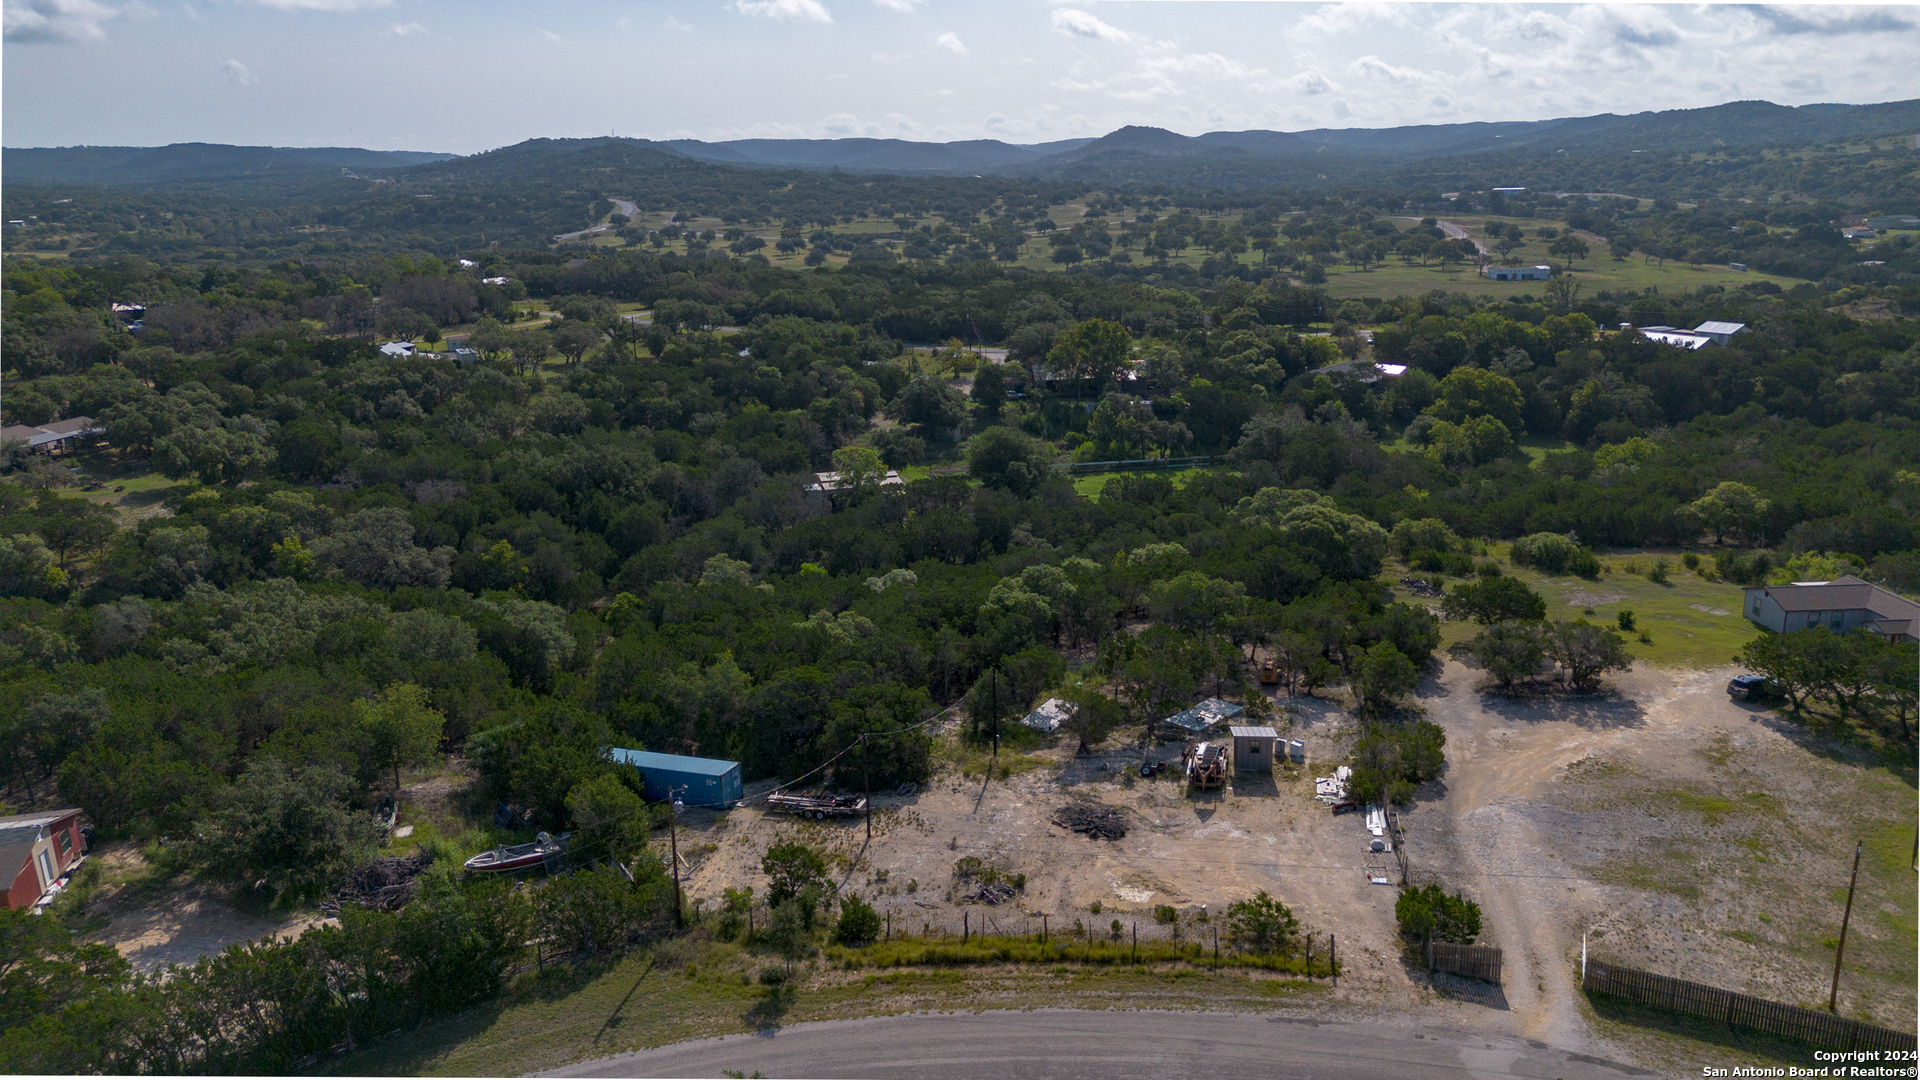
x=697 y=781
x=37 y=852
x=1253 y=748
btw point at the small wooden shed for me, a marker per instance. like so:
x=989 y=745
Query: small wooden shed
x=1253 y=748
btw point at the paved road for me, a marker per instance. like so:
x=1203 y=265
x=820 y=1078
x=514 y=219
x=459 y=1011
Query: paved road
x=621 y=206
x=1071 y=1045
x=1460 y=233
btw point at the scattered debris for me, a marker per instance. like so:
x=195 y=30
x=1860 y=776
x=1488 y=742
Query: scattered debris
x=1420 y=586
x=907 y=789
x=1206 y=715
x=1049 y=716
x=1098 y=822
x=1332 y=789
x=997 y=892
x=380 y=884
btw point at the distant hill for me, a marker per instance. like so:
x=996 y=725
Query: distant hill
x=1426 y=153
x=877 y=155
x=134 y=166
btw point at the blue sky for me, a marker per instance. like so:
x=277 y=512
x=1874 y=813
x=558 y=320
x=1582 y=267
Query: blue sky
x=474 y=74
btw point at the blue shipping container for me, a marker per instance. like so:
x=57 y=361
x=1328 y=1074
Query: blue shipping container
x=698 y=781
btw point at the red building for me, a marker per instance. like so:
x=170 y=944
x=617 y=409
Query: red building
x=37 y=850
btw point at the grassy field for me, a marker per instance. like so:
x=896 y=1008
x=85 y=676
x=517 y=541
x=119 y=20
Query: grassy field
x=1091 y=486
x=1689 y=622
x=696 y=989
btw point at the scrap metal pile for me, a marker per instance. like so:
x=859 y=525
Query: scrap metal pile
x=381 y=884
x=992 y=892
x=1098 y=822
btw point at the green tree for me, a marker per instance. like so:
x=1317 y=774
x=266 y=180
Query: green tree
x=399 y=726
x=1264 y=925
x=1493 y=600
x=72 y=526
x=1384 y=674
x=1469 y=392
x=1001 y=457
x=289 y=828
x=1585 y=652
x=1429 y=914
x=609 y=819
x=793 y=869
x=1731 y=507
x=1511 y=651
x=989 y=390
x=1091 y=352
x=860 y=468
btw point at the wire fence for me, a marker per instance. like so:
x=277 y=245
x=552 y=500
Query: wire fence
x=1739 y=1010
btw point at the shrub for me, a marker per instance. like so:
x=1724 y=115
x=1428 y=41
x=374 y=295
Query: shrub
x=1165 y=915
x=1429 y=914
x=859 y=924
x=1390 y=759
x=1661 y=569
x=1263 y=924
x=1625 y=619
x=1554 y=554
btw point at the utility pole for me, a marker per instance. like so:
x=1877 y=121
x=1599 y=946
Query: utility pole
x=1833 y=998
x=993 y=688
x=866 y=761
x=673 y=846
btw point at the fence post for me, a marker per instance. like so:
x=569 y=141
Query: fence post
x=965 y=929
x=1333 y=958
x=1136 y=942
x=889 y=926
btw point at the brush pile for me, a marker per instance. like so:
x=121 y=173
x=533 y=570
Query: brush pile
x=384 y=883
x=1098 y=822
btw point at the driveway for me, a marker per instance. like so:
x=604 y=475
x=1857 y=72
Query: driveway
x=1108 y=1045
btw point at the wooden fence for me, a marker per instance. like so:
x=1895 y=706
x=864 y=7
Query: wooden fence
x=1474 y=961
x=1739 y=1010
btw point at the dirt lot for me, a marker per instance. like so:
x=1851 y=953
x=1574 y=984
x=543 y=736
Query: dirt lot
x=155 y=922
x=1687 y=833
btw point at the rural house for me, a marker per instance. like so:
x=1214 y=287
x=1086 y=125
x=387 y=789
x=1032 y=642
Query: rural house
x=1517 y=273
x=1845 y=603
x=36 y=851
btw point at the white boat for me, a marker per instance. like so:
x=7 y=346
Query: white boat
x=515 y=856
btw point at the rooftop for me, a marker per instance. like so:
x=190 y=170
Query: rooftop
x=647 y=759
x=1253 y=732
x=35 y=821
x=1846 y=593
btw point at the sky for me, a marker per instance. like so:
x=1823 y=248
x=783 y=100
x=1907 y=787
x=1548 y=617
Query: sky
x=462 y=76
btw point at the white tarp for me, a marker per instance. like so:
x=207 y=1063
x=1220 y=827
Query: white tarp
x=1049 y=716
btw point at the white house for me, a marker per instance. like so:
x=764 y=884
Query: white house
x=1720 y=332
x=1517 y=273
x=1845 y=603
x=397 y=350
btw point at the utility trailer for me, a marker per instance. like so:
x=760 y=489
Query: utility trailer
x=817 y=807
x=1206 y=765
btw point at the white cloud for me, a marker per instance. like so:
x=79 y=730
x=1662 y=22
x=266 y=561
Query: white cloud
x=551 y=36
x=784 y=10
x=899 y=5
x=1835 y=20
x=1372 y=67
x=324 y=5
x=672 y=23
x=237 y=73
x=63 y=22
x=406 y=29
x=1310 y=83
x=1080 y=24
x=951 y=42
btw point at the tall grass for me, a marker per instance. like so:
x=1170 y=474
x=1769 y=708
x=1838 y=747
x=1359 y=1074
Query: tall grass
x=984 y=950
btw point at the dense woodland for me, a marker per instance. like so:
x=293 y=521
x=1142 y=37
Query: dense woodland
x=607 y=533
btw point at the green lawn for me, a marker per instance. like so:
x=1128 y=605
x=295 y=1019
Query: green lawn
x=1091 y=486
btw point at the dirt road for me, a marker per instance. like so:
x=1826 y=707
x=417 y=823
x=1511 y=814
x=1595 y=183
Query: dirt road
x=1106 y=1045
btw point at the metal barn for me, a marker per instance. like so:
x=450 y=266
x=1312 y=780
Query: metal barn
x=697 y=781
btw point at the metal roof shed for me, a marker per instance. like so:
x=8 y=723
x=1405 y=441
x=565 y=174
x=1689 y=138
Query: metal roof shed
x=1253 y=748
x=699 y=781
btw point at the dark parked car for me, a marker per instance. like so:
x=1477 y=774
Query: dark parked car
x=1746 y=685
x=1347 y=807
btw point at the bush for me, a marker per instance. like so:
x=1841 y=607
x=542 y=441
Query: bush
x=1625 y=619
x=1429 y=914
x=1555 y=554
x=1263 y=924
x=1165 y=915
x=859 y=924
x=1390 y=759
x=1492 y=600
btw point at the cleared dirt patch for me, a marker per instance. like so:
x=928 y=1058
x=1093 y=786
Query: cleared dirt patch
x=154 y=922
